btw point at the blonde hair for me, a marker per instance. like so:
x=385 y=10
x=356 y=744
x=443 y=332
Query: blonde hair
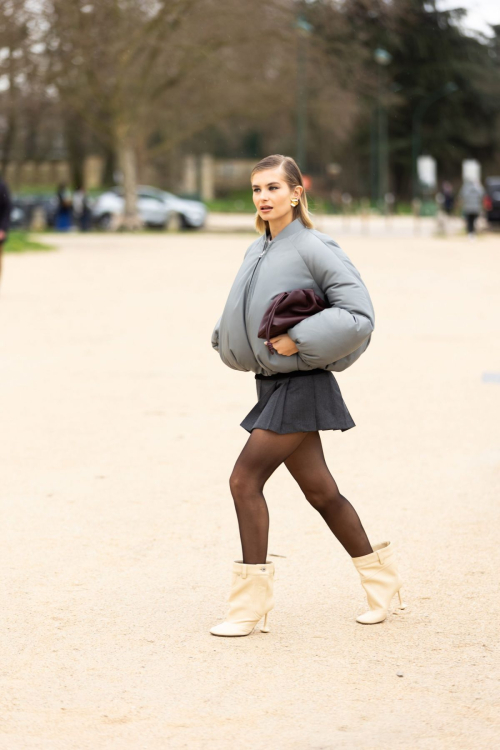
x=293 y=177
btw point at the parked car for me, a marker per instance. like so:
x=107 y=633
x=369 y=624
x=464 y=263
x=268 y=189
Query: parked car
x=23 y=207
x=19 y=214
x=156 y=208
x=491 y=200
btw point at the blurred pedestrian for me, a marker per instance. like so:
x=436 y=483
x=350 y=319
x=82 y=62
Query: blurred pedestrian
x=81 y=209
x=64 y=208
x=471 y=196
x=5 y=209
x=448 y=197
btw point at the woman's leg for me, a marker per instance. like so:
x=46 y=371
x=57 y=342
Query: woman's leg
x=308 y=467
x=263 y=452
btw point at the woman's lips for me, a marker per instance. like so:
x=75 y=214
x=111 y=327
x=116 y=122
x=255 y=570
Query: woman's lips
x=265 y=209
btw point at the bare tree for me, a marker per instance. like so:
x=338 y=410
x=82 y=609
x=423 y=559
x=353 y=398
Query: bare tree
x=150 y=74
x=13 y=48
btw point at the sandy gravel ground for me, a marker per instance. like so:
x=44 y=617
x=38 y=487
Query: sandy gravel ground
x=120 y=427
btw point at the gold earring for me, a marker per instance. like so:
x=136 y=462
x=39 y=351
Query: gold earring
x=294 y=201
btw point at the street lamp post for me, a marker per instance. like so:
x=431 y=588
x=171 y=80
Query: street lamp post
x=417 y=118
x=304 y=30
x=382 y=57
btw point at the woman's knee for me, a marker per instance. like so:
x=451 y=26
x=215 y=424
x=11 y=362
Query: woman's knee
x=322 y=500
x=243 y=484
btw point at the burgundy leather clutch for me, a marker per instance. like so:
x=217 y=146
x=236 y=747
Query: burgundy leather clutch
x=286 y=310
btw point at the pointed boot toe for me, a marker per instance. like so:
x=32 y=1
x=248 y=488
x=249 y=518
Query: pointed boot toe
x=372 y=616
x=232 y=629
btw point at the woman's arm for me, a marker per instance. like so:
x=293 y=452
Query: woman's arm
x=332 y=334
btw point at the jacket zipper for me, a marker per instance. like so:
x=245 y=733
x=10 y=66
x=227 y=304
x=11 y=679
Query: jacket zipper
x=250 y=286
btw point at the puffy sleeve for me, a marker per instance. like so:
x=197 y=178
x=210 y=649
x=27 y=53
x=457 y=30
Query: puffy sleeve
x=345 y=327
x=215 y=335
x=215 y=332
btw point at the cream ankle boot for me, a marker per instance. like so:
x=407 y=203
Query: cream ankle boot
x=251 y=598
x=381 y=580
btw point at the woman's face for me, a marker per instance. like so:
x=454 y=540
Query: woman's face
x=271 y=194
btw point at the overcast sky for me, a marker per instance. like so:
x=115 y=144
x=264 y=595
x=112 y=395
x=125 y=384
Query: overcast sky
x=481 y=12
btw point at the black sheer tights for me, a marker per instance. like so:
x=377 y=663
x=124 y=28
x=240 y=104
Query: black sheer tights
x=303 y=456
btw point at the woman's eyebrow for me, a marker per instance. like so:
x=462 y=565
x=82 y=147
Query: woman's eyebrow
x=268 y=184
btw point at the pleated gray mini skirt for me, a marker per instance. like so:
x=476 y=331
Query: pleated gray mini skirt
x=298 y=401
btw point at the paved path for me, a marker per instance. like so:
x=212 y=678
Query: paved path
x=120 y=428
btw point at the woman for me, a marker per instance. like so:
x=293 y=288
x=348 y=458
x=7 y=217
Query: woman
x=298 y=394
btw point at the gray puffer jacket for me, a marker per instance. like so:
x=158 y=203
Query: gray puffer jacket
x=297 y=258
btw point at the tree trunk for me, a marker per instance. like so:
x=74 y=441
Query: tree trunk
x=127 y=160
x=76 y=148
x=108 y=177
x=11 y=117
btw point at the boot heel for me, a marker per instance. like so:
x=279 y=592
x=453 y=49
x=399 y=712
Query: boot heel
x=402 y=605
x=265 y=627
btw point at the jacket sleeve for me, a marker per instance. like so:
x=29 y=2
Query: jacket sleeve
x=215 y=335
x=215 y=332
x=332 y=334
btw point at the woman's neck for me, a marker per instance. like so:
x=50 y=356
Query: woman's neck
x=279 y=225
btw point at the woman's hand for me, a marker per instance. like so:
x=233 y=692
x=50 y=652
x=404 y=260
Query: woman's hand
x=283 y=344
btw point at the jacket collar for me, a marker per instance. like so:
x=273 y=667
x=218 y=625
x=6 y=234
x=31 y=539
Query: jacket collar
x=295 y=226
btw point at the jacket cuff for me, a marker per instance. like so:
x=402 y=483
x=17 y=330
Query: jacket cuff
x=320 y=343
